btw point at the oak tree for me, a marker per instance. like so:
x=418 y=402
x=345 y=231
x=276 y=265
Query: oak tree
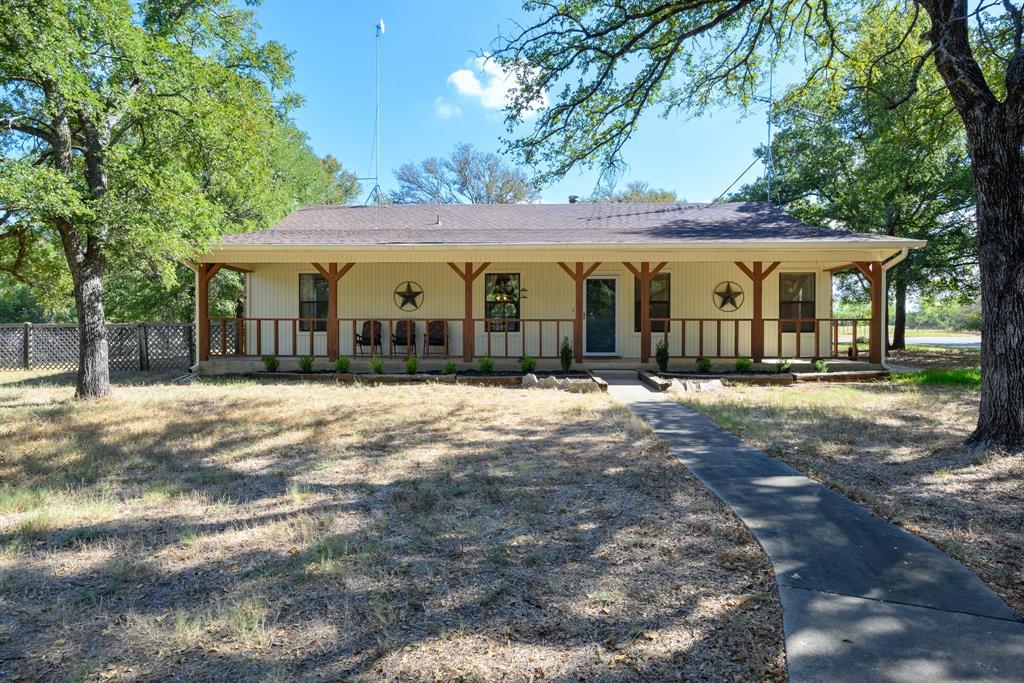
x=606 y=64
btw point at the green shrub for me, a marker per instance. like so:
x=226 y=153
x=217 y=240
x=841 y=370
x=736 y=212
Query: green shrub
x=744 y=364
x=412 y=363
x=449 y=368
x=342 y=364
x=661 y=355
x=565 y=354
x=784 y=365
x=820 y=366
x=486 y=364
x=306 y=363
x=376 y=364
x=528 y=364
x=703 y=364
x=270 y=363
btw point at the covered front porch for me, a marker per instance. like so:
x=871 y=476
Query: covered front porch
x=612 y=313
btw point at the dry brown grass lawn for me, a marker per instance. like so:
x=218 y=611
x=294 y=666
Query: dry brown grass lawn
x=895 y=448
x=244 y=531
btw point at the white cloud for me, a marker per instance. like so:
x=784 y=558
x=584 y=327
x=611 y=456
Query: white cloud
x=445 y=110
x=486 y=81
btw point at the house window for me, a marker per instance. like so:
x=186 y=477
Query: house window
x=312 y=301
x=501 y=300
x=796 y=301
x=660 y=306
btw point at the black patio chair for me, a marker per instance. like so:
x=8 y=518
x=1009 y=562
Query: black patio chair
x=436 y=335
x=404 y=334
x=366 y=339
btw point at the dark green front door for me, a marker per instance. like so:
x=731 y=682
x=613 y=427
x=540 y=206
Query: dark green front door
x=599 y=316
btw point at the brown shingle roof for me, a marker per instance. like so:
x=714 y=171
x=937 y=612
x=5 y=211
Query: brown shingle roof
x=545 y=224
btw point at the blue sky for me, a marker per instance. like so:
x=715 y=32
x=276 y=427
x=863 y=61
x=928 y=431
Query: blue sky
x=426 y=111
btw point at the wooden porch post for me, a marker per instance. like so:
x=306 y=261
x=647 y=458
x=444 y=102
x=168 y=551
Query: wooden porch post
x=876 y=276
x=645 y=274
x=579 y=276
x=757 y=276
x=468 y=332
x=333 y=275
x=203 y=277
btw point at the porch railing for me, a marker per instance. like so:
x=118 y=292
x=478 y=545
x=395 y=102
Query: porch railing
x=793 y=337
x=290 y=337
x=803 y=338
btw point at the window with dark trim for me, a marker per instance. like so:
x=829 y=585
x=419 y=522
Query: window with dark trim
x=312 y=301
x=501 y=300
x=796 y=301
x=661 y=287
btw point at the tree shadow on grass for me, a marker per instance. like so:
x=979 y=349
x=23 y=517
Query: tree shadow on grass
x=349 y=546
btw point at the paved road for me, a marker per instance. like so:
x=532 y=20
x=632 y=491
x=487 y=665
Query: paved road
x=863 y=600
x=951 y=342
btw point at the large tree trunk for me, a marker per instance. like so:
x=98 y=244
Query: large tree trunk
x=93 y=379
x=998 y=179
x=899 y=322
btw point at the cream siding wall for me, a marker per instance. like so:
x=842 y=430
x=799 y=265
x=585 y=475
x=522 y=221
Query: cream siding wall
x=366 y=291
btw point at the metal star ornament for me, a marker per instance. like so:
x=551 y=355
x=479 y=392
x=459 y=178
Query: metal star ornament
x=407 y=296
x=729 y=296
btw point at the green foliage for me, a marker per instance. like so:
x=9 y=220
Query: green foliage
x=306 y=363
x=843 y=158
x=528 y=364
x=961 y=377
x=820 y=365
x=635 y=192
x=376 y=364
x=565 y=354
x=744 y=364
x=784 y=365
x=412 y=364
x=661 y=355
x=342 y=364
x=19 y=305
x=271 y=363
x=486 y=364
x=449 y=368
x=703 y=364
x=178 y=132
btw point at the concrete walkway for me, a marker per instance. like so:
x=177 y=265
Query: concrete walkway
x=862 y=599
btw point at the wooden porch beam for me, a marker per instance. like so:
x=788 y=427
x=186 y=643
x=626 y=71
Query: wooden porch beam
x=468 y=275
x=579 y=275
x=333 y=274
x=645 y=274
x=203 y=275
x=875 y=274
x=757 y=275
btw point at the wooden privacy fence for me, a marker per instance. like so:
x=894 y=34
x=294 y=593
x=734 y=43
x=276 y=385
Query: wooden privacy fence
x=131 y=346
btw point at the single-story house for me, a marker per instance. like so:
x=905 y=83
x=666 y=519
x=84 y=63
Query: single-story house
x=460 y=282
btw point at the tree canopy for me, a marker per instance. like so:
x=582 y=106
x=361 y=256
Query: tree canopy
x=845 y=159
x=604 y=65
x=635 y=191
x=136 y=133
x=467 y=175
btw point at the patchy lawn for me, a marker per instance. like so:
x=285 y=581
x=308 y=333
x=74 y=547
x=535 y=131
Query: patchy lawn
x=895 y=448
x=245 y=531
x=936 y=357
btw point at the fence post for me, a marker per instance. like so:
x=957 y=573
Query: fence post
x=190 y=333
x=143 y=348
x=26 y=347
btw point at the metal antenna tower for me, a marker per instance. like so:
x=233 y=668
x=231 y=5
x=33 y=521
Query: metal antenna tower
x=376 y=193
